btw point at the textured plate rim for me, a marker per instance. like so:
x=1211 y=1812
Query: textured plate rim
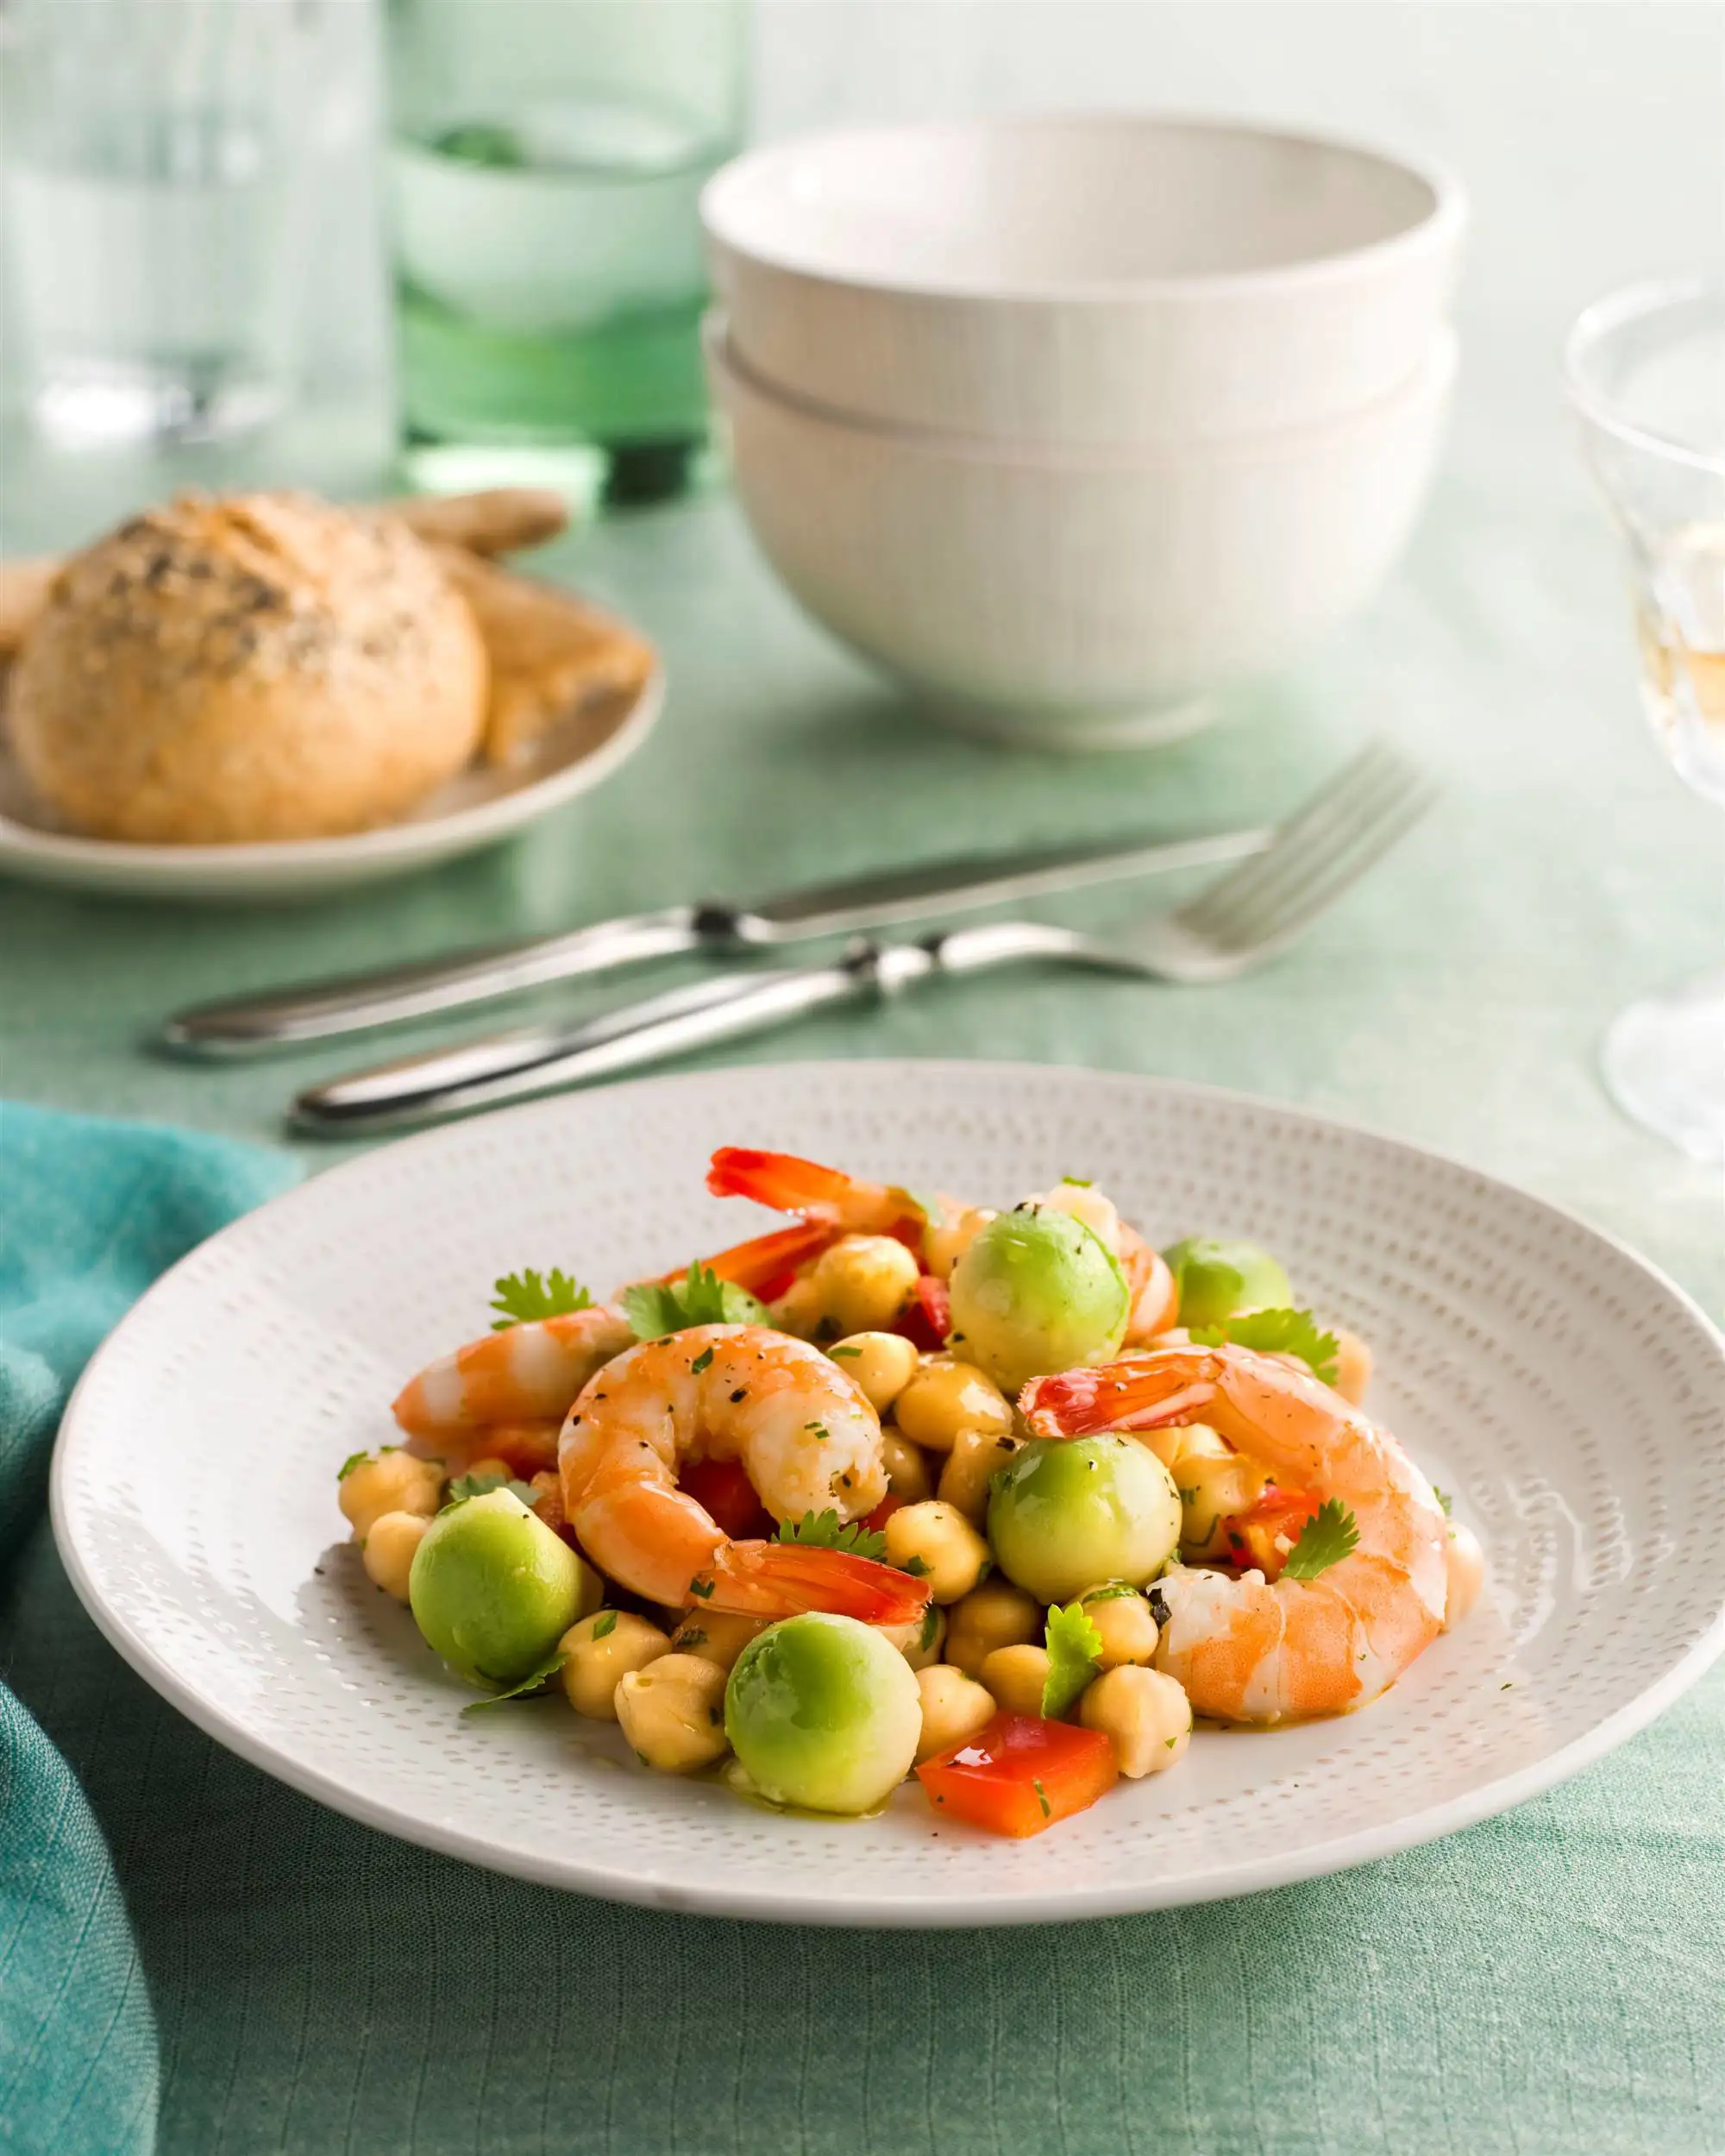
x=269 y=867
x=885 y=1911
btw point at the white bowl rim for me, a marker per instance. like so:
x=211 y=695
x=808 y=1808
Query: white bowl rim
x=1443 y=221
x=1431 y=381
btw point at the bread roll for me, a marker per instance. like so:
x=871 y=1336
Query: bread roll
x=260 y=666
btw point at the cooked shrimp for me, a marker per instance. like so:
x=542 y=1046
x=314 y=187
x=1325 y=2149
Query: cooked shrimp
x=1155 y=1298
x=526 y=1373
x=796 y=1421
x=1247 y=1651
x=789 y=1185
x=766 y=1265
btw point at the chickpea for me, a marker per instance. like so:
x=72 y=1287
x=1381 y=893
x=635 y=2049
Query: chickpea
x=974 y=1457
x=946 y=1397
x=390 y=1481
x=947 y=1240
x=1466 y=1557
x=995 y=1614
x=1183 y=1441
x=907 y=1475
x=920 y=1641
x=1145 y=1715
x=1129 y=1631
x=673 y=1713
x=1016 y=1676
x=715 y=1635
x=1353 y=1366
x=1214 y=1481
x=602 y=1650
x=798 y=1309
x=954 y=1707
x=863 y=1283
x=954 y=1556
x=883 y=1364
x=388 y=1547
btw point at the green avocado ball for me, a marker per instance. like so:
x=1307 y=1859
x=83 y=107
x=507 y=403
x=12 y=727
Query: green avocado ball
x=824 y=1714
x=1036 y=1292
x=493 y=1589
x=1068 y=1512
x=1218 y=1280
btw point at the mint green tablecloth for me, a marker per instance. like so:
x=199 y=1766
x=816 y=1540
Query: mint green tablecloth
x=1551 y=1982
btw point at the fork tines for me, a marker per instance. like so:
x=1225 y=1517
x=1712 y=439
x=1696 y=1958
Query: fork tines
x=1315 y=856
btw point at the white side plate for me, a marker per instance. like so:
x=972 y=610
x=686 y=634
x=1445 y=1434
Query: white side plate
x=1570 y=1397
x=477 y=806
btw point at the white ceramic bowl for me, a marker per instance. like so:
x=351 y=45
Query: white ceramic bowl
x=1073 y=599
x=1099 y=279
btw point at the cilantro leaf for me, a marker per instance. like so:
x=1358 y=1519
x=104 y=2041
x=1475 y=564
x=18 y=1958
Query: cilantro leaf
x=702 y=1362
x=1324 y=1540
x=1080 y=1182
x=605 y=1623
x=655 y=1308
x=1442 y=1496
x=1276 y=1332
x=1075 y=1655
x=466 y=1486
x=823 y=1530
x=1111 y=1591
x=523 y=1296
x=530 y=1682
x=358 y=1459
x=844 y=1354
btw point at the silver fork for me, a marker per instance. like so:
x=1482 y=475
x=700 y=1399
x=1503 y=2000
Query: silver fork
x=1236 y=922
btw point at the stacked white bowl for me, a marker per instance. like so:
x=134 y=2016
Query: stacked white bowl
x=1069 y=423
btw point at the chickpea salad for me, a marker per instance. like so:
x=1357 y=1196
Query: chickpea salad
x=909 y=1485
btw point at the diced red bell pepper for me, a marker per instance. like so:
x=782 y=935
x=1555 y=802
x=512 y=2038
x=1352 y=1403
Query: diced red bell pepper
x=883 y=1512
x=724 y=1491
x=927 y=1319
x=1255 y=1538
x=1020 y=1773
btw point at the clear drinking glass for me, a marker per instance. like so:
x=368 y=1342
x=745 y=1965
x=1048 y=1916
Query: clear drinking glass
x=152 y=192
x=546 y=160
x=1645 y=373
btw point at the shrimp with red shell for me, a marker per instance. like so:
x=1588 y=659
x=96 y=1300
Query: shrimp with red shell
x=796 y=1423
x=1247 y=1649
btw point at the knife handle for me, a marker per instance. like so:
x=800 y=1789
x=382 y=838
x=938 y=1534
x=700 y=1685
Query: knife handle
x=422 y=1089
x=314 y=1009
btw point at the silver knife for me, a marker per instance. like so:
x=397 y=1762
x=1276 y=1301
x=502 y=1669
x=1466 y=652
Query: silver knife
x=318 y=1010
x=458 y=1081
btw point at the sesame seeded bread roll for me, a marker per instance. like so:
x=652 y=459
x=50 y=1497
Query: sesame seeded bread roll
x=257 y=666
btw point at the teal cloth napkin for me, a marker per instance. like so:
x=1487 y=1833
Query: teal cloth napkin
x=89 y=1213
x=1551 y=1981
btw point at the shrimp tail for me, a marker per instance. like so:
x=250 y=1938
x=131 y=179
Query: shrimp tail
x=790 y=1185
x=1116 y=1396
x=766 y=1265
x=775 y=1579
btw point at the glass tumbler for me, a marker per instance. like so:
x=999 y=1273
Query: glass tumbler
x=152 y=175
x=1645 y=373
x=546 y=159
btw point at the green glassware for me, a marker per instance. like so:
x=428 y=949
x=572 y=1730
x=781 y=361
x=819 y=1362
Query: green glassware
x=546 y=159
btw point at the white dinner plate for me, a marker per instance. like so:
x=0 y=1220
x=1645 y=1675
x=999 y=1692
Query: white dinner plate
x=1571 y=1399
x=475 y=808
